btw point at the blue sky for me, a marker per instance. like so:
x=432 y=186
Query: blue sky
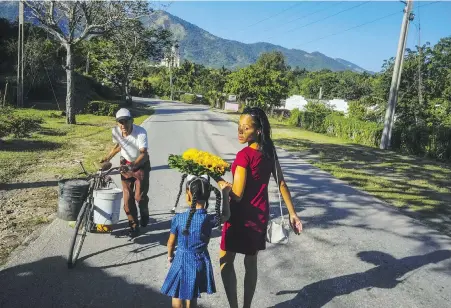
x=301 y=24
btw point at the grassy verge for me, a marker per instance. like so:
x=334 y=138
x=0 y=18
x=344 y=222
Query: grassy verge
x=31 y=167
x=420 y=186
x=52 y=149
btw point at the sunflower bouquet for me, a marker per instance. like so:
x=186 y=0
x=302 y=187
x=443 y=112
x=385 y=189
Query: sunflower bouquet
x=198 y=163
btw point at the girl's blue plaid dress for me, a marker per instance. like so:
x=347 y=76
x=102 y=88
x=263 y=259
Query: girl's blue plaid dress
x=191 y=272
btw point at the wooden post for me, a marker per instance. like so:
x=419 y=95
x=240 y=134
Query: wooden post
x=20 y=57
x=6 y=94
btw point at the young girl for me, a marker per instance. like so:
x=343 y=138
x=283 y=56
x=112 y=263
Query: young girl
x=191 y=272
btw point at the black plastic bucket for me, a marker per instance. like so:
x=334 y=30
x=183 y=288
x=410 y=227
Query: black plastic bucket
x=71 y=195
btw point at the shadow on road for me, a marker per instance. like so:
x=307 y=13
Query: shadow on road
x=334 y=205
x=161 y=167
x=406 y=181
x=171 y=111
x=83 y=286
x=154 y=235
x=386 y=274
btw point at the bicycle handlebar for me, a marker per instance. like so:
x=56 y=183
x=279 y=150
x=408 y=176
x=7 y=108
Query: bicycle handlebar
x=104 y=170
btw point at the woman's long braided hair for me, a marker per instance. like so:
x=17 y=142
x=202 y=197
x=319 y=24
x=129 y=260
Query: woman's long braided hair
x=200 y=189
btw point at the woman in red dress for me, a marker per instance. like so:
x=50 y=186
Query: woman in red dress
x=245 y=230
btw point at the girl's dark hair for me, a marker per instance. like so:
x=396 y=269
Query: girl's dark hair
x=262 y=123
x=201 y=189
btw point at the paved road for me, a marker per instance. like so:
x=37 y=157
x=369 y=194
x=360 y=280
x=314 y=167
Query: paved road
x=355 y=251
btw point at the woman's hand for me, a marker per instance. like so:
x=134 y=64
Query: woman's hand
x=295 y=224
x=225 y=184
x=226 y=188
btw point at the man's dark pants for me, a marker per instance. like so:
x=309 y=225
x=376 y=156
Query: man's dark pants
x=135 y=188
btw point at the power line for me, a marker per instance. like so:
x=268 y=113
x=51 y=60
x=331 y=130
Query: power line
x=288 y=21
x=355 y=27
x=363 y=24
x=327 y=17
x=277 y=14
x=352 y=28
x=303 y=16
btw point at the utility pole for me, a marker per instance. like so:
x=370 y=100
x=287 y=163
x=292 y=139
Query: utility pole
x=20 y=57
x=420 y=60
x=87 y=63
x=396 y=78
x=171 y=59
x=170 y=73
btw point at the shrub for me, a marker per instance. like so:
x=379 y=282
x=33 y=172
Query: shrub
x=280 y=114
x=295 y=117
x=202 y=100
x=361 y=132
x=193 y=99
x=102 y=108
x=313 y=121
x=430 y=141
x=18 y=126
x=188 y=98
x=421 y=140
x=214 y=98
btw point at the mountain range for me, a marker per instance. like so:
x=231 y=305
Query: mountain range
x=200 y=46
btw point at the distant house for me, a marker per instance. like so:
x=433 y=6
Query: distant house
x=299 y=102
x=231 y=104
x=295 y=102
x=172 y=59
x=339 y=105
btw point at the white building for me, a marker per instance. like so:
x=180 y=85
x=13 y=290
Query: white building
x=174 y=55
x=295 y=101
x=299 y=102
x=339 y=105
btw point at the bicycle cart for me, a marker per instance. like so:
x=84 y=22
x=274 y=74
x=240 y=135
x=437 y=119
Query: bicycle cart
x=85 y=220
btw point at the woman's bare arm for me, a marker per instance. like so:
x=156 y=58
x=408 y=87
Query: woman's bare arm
x=283 y=188
x=238 y=185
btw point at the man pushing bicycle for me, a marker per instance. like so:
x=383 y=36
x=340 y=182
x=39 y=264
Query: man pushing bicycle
x=131 y=141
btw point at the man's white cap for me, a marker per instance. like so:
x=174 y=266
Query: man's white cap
x=123 y=114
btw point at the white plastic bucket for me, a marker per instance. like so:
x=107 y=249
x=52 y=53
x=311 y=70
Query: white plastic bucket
x=107 y=206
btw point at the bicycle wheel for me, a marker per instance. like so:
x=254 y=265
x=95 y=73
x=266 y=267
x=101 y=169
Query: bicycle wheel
x=78 y=237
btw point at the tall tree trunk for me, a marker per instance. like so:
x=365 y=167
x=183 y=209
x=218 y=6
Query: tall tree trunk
x=6 y=94
x=128 y=97
x=70 y=112
x=123 y=88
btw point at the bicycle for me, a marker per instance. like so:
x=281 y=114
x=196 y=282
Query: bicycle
x=100 y=179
